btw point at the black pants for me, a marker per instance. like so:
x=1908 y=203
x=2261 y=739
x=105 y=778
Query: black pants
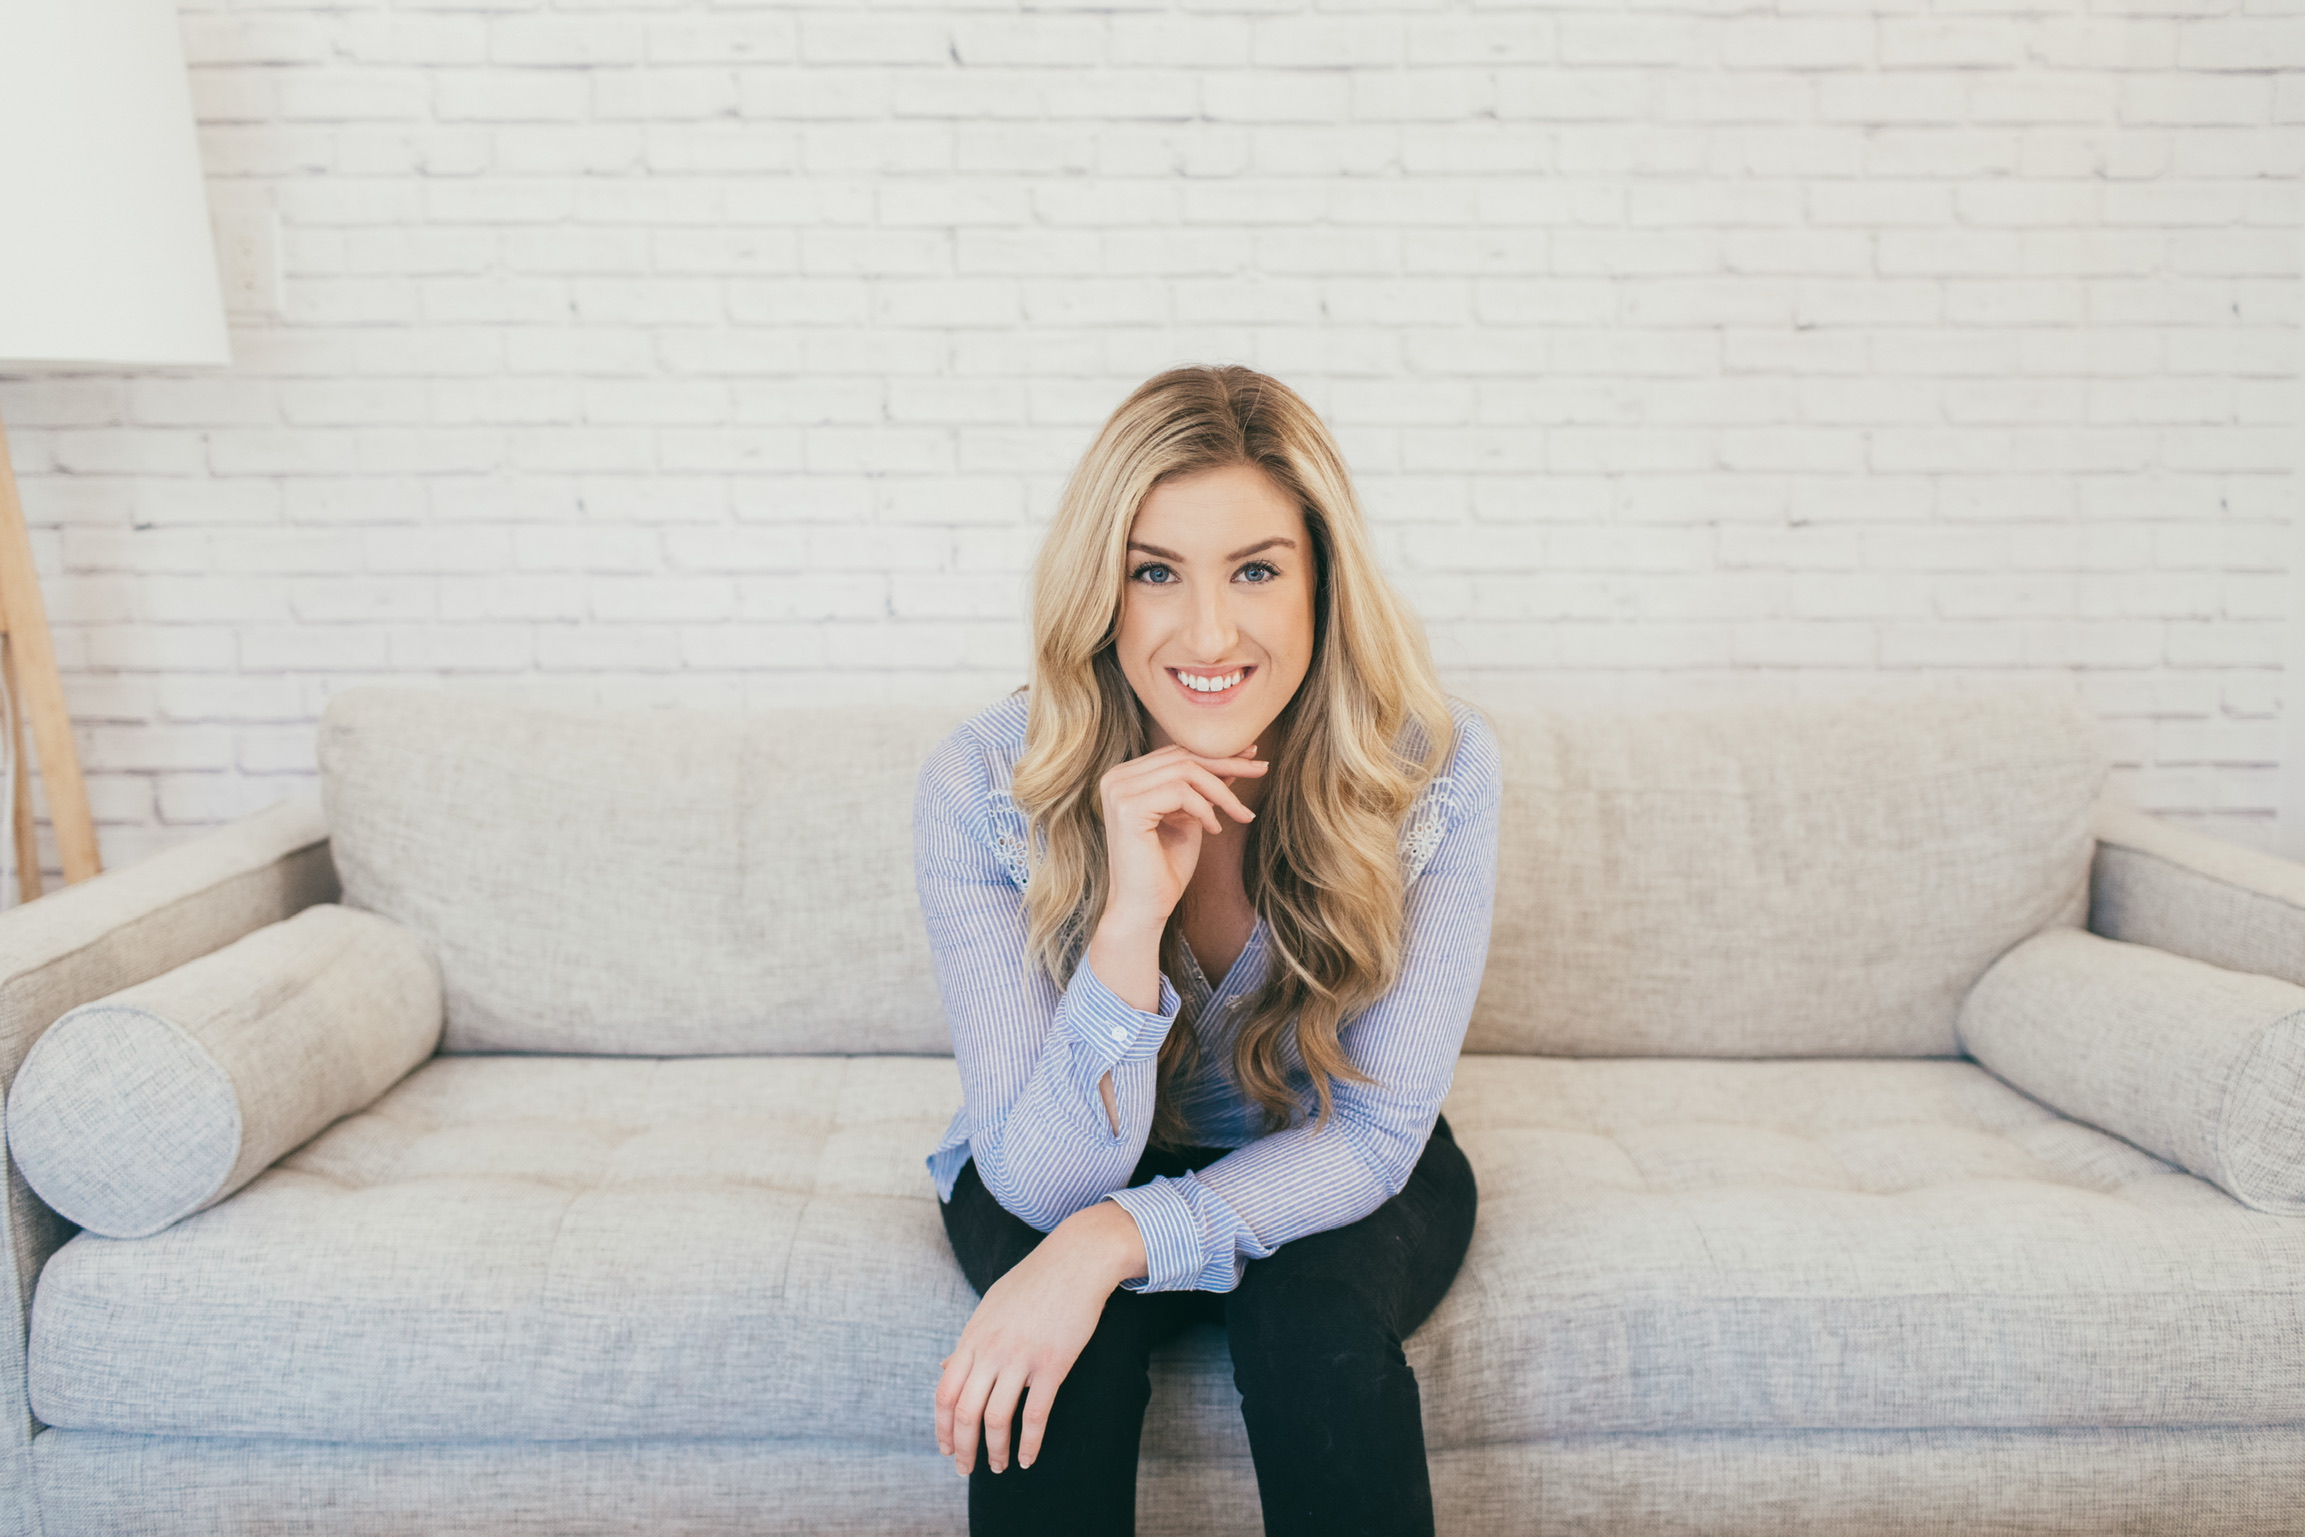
x=1334 y=1423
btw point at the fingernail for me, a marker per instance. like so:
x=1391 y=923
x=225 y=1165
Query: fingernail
x=1024 y=1462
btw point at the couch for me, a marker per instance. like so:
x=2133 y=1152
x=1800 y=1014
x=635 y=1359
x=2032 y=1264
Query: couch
x=1858 y=1098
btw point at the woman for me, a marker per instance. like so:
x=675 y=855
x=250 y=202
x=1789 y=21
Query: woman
x=1209 y=906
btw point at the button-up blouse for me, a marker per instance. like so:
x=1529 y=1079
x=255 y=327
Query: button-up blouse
x=1031 y=1054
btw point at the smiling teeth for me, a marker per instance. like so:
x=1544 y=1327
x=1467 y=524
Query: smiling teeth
x=1210 y=685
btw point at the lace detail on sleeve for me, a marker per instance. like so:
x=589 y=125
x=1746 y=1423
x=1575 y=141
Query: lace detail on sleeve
x=1427 y=824
x=1008 y=836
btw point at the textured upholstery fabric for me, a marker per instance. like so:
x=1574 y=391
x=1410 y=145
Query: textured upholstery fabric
x=675 y=882
x=2199 y=1065
x=96 y=937
x=1819 y=879
x=550 y=1246
x=1884 y=1483
x=1685 y=1244
x=144 y=1106
x=2178 y=890
x=607 y=1248
x=1696 y=1285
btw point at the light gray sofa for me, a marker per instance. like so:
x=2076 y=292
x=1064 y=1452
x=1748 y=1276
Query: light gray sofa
x=649 y=1246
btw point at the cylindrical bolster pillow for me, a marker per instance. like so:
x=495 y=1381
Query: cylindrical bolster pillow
x=2197 y=1065
x=145 y=1106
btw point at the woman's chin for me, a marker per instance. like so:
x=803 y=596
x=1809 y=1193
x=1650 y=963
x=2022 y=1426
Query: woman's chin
x=1222 y=733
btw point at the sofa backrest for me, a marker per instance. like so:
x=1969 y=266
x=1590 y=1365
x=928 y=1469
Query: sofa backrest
x=1812 y=879
x=1797 y=880
x=672 y=882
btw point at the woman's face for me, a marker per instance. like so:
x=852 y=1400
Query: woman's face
x=1216 y=625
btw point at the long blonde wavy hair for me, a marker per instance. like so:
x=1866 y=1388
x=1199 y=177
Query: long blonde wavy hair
x=1365 y=731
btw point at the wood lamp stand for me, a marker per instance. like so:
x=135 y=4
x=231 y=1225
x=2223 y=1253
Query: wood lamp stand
x=29 y=659
x=108 y=261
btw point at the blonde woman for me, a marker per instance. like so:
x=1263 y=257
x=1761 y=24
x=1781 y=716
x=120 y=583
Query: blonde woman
x=1209 y=903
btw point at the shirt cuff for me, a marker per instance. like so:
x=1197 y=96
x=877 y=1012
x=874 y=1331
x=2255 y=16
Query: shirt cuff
x=1172 y=1235
x=1112 y=1031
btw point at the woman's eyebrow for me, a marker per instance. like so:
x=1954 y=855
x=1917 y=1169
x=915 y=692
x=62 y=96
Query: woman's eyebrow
x=1154 y=549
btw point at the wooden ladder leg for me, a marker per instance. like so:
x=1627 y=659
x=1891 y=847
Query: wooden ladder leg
x=41 y=691
x=28 y=881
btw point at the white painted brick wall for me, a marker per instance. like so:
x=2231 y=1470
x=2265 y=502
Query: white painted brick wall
x=735 y=353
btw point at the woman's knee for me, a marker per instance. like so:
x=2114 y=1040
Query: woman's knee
x=1307 y=1332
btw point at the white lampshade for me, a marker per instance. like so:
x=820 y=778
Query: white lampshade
x=106 y=256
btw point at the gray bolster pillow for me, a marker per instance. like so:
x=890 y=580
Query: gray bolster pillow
x=2197 y=1065
x=145 y=1106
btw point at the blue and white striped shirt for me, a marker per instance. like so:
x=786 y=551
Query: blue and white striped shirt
x=1030 y=1057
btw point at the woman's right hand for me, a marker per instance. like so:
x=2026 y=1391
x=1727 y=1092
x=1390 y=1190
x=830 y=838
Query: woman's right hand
x=1156 y=810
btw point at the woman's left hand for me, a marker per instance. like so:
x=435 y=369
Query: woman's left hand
x=1025 y=1335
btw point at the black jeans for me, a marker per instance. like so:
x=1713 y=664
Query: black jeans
x=1334 y=1422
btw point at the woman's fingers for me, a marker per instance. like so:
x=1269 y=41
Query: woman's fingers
x=984 y=1406
x=948 y=1388
x=1219 y=791
x=1153 y=765
x=1149 y=801
x=1039 y=1395
x=1000 y=1417
x=1014 y=1412
x=1183 y=786
x=968 y=1414
x=1247 y=754
x=1154 y=804
x=1243 y=762
x=1197 y=807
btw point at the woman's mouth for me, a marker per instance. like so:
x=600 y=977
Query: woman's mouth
x=1209 y=683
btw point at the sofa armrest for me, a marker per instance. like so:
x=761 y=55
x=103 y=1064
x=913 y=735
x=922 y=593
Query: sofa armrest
x=111 y=932
x=2193 y=895
x=2197 y=1065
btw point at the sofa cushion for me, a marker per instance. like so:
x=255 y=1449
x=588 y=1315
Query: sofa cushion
x=543 y=1247
x=654 y=882
x=2196 y=1064
x=1788 y=880
x=145 y=1105
x=1814 y=879
x=1681 y=1244
x=561 y=1248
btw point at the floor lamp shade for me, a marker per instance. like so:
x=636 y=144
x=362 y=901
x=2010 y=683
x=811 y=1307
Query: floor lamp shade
x=107 y=257
x=107 y=261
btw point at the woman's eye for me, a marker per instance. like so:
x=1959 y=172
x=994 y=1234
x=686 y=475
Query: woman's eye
x=1146 y=573
x=1259 y=571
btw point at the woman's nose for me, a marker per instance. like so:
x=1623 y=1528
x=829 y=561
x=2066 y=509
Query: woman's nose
x=1213 y=630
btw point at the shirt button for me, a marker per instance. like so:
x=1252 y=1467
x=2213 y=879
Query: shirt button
x=1120 y=1034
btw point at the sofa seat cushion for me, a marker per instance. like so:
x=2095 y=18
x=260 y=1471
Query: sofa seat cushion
x=591 y=1248
x=1864 y=1244
x=542 y=1247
